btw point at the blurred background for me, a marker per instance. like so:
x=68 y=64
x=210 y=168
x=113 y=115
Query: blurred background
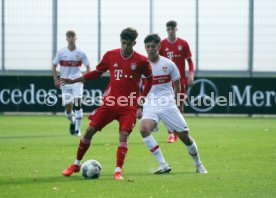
x=228 y=38
x=236 y=37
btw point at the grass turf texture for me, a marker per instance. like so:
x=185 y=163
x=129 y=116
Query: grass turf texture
x=239 y=153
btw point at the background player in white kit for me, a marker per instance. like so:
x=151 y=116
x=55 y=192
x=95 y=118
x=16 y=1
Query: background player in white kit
x=70 y=60
x=160 y=104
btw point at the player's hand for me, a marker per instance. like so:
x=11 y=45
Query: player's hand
x=57 y=83
x=139 y=112
x=66 y=81
x=191 y=79
x=140 y=100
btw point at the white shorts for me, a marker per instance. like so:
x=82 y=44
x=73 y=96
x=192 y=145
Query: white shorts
x=171 y=117
x=70 y=92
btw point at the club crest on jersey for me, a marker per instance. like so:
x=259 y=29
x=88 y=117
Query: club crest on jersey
x=78 y=57
x=165 y=69
x=179 y=47
x=133 y=66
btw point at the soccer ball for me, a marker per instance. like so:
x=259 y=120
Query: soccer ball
x=91 y=169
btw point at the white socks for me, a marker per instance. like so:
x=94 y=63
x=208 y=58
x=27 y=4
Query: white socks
x=192 y=150
x=152 y=145
x=77 y=162
x=70 y=117
x=78 y=115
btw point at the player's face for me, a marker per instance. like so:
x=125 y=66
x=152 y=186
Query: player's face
x=71 y=39
x=152 y=50
x=171 y=31
x=127 y=46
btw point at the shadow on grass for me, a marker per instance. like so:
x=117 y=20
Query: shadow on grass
x=129 y=177
x=30 y=136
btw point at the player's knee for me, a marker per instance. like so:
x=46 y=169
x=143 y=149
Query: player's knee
x=90 y=131
x=144 y=130
x=77 y=104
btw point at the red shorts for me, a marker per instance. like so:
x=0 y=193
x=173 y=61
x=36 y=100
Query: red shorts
x=104 y=115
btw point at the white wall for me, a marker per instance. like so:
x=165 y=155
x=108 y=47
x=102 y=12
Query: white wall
x=223 y=30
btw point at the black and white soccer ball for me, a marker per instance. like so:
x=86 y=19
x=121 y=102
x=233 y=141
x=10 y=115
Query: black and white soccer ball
x=91 y=169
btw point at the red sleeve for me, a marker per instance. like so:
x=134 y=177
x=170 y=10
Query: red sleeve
x=146 y=69
x=187 y=51
x=147 y=72
x=103 y=65
x=147 y=87
x=191 y=65
x=92 y=75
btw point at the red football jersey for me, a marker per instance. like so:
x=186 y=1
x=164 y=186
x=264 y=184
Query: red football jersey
x=177 y=51
x=125 y=75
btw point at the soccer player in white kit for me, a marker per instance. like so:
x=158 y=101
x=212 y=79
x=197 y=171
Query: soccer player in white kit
x=160 y=104
x=71 y=59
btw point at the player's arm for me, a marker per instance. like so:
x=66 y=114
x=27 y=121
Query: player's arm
x=54 y=69
x=147 y=72
x=86 y=63
x=100 y=69
x=175 y=77
x=191 y=71
x=87 y=69
x=188 y=58
x=55 y=76
x=177 y=90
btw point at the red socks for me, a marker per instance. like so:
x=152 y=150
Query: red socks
x=83 y=147
x=121 y=154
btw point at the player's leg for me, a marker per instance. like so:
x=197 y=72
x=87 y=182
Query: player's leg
x=82 y=148
x=99 y=118
x=148 y=123
x=174 y=120
x=183 y=97
x=77 y=92
x=67 y=101
x=78 y=115
x=192 y=149
x=127 y=120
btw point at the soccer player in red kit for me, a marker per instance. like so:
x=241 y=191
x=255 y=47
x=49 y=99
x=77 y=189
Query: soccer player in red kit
x=126 y=68
x=178 y=51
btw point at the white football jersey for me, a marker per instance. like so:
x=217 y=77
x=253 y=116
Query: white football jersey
x=70 y=62
x=164 y=72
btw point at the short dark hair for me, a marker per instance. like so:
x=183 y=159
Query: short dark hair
x=70 y=33
x=171 y=24
x=152 y=37
x=129 y=34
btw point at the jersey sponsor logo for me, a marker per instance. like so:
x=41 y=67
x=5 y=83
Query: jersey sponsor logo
x=165 y=69
x=118 y=74
x=133 y=66
x=179 y=47
x=70 y=63
x=161 y=79
x=78 y=57
x=170 y=55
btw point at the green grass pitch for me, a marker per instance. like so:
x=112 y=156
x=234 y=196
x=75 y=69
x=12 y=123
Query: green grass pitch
x=239 y=153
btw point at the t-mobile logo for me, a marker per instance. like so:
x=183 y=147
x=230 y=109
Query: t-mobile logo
x=170 y=55
x=118 y=73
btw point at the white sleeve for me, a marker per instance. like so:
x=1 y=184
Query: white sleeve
x=85 y=60
x=57 y=58
x=174 y=72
